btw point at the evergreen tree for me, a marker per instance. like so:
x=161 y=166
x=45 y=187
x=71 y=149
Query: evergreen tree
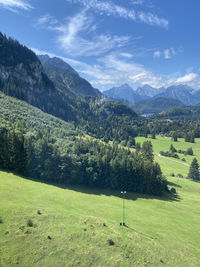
x=172 y=149
x=174 y=137
x=194 y=170
x=147 y=151
x=153 y=136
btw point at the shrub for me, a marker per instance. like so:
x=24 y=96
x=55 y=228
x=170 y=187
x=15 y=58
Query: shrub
x=189 y=151
x=179 y=175
x=172 y=174
x=1 y=220
x=173 y=190
x=30 y=223
x=183 y=159
x=110 y=242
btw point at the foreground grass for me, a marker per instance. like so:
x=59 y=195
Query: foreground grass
x=75 y=225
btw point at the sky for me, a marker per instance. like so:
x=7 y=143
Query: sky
x=112 y=42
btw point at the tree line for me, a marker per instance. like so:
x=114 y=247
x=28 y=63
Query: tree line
x=81 y=161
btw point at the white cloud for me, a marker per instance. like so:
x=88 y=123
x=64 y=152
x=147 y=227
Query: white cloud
x=187 y=78
x=109 y=8
x=114 y=71
x=47 y=19
x=72 y=41
x=13 y=5
x=137 y=2
x=167 y=54
x=157 y=54
x=126 y=55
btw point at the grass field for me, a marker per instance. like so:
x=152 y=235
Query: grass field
x=168 y=164
x=79 y=223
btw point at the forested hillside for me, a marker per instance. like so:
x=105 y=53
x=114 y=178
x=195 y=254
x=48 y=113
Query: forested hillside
x=43 y=147
x=156 y=105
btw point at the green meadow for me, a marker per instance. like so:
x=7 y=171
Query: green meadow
x=171 y=165
x=46 y=225
x=76 y=226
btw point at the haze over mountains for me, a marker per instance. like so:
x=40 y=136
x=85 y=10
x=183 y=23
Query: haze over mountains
x=183 y=93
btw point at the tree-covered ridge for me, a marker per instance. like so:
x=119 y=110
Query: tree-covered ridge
x=13 y=53
x=115 y=108
x=190 y=112
x=13 y=111
x=44 y=147
x=155 y=105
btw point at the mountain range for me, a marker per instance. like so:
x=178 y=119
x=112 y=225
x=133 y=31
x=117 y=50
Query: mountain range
x=64 y=76
x=183 y=93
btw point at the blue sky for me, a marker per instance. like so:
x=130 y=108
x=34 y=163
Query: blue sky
x=111 y=42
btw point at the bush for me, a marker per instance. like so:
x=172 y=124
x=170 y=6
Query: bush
x=173 y=190
x=179 y=175
x=183 y=159
x=172 y=174
x=30 y=223
x=189 y=151
x=110 y=242
x=1 y=220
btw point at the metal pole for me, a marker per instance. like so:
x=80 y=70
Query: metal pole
x=123 y=222
x=123 y=210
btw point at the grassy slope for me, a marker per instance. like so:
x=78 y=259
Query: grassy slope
x=168 y=166
x=159 y=232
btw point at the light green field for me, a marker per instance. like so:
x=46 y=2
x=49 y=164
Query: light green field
x=171 y=165
x=160 y=232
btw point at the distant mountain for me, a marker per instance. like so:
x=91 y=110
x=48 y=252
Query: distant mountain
x=156 y=105
x=183 y=93
x=123 y=92
x=64 y=76
x=196 y=95
x=147 y=91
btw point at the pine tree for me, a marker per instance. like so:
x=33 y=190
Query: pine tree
x=194 y=170
x=172 y=149
x=174 y=137
x=147 y=151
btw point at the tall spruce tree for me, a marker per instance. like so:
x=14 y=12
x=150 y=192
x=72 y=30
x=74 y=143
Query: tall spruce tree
x=147 y=151
x=194 y=170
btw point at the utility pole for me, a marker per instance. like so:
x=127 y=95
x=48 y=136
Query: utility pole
x=123 y=222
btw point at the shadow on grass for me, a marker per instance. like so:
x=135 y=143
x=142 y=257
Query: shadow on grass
x=138 y=232
x=174 y=184
x=167 y=196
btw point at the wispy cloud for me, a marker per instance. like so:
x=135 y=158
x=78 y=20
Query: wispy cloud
x=126 y=55
x=112 y=70
x=157 y=53
x=137 y=2
x=187 y=78
x=47 y=19
x=13 y=5
x=78 y=36
x=109 y=8
x=167 y=53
